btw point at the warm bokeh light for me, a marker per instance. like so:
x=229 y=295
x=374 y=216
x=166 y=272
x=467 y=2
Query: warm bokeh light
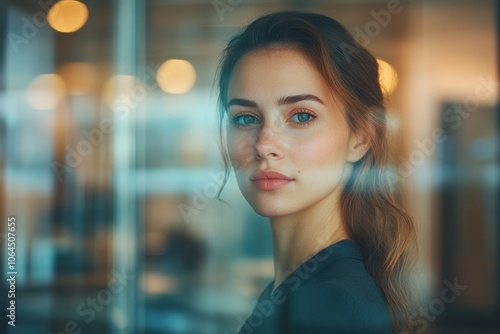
x=67 y=15
x=124 y=89
x=387 y=76
x=45 y=91
x=176 y=76
x=80 y=78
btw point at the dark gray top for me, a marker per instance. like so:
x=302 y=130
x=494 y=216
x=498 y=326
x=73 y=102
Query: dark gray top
x=330 y=293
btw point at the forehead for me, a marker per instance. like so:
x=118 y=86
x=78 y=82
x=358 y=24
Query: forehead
x=275 y=72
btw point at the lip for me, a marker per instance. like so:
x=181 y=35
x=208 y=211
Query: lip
x=270 y=180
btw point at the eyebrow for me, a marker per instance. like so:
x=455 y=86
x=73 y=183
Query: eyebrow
x=298 y=98
x=281 y=101
x=242 y=102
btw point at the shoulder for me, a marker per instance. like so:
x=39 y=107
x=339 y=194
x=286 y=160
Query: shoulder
x=348 y=301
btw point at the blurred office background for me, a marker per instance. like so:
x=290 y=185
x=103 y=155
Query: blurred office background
x=110 y=164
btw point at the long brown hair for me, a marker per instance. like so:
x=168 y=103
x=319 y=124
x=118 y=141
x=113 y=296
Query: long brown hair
x=371 y=203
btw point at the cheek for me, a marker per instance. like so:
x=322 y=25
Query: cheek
x=321 y=150
x=240 y=149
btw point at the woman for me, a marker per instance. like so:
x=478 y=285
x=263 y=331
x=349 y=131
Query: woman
x=306 y=140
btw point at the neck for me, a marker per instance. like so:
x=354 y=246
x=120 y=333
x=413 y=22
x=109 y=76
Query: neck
x=298 y=237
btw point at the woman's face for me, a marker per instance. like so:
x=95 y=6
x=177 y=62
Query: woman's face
x=283 y=117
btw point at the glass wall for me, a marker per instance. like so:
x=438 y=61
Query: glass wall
x=111 y=165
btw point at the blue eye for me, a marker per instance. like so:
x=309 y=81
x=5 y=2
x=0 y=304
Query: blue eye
x=245 y=118
x=303 y=117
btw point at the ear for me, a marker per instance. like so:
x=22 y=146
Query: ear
x=359 y=144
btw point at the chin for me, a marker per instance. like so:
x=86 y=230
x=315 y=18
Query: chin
x=269 y=213
x=267 y=204
x=268 y=207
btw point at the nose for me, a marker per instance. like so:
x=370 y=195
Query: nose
x=267 y=145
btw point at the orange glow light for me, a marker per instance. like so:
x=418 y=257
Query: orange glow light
x=176 y=76
x=387 y=76
x=68 y=16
